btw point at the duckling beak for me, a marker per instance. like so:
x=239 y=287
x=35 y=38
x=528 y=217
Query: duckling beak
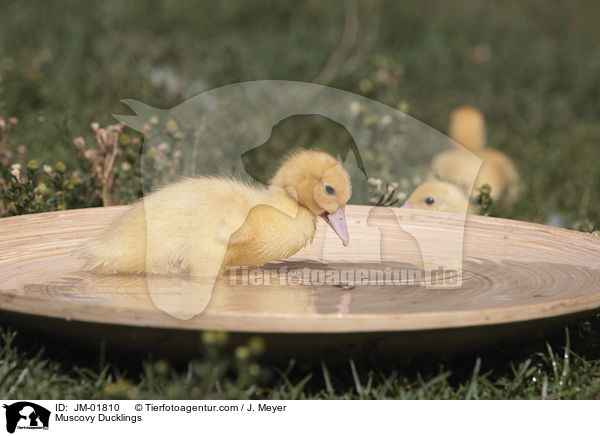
x=337 y=221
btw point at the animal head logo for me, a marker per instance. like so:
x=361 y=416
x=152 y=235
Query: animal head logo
x=26 y=415
x=226 y=131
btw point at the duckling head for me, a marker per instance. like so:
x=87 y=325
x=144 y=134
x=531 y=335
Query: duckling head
x=319 y=183
x=436 y=195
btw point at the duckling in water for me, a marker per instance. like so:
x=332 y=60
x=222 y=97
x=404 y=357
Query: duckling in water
x=467 y=127
x=437 y=195
x=201 y=225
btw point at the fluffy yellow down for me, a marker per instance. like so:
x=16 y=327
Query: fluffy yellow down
x=467 y=128
x=200 y=225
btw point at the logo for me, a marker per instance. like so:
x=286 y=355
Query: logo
x=26 y=415
x=236 y=124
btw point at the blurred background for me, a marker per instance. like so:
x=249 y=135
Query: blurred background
x=533 y=70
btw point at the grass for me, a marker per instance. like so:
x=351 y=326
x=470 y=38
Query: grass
x=562 y=365
x=534 y=70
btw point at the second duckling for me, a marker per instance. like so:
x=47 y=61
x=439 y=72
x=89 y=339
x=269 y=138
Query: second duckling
x=467 y=127
x=438 y=195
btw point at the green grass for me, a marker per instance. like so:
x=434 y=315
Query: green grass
x=533 y=68
x=562 y=365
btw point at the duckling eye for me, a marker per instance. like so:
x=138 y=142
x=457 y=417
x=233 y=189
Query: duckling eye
x=429 y=201
x=329 y=190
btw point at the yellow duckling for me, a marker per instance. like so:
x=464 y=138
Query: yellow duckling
x=442 y=196
x=201 y=225
x=467 y=127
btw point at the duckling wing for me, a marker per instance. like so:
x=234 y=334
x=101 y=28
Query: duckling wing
x=456 y=166
x=269 y=233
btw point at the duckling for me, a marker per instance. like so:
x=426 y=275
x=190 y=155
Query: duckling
x=467 y=127
x=201 y=225
x=437 y=195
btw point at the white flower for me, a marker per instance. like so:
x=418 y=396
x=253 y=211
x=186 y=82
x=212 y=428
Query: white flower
x=355 y=108
x=385 y=120
x=79 y=142
x=403 y=106
x=47 y=169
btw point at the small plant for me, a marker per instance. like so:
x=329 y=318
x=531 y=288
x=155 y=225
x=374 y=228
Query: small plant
x=32 y=188
x=484 y=200
x=584 y=225
x=29 y=190
x=220 y=373
x=383 y=81
x=161 y=161
x=102 y=159
x=388 y=196
x=6 y=128
x=109 y=173
x=384 y=197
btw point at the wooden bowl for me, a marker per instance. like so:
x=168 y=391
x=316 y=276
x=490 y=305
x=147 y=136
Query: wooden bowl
x=517 y=278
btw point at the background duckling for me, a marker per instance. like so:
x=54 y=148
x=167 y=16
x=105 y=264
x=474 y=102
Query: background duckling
x=467 y=127
x=200 y=225
x=437 y=195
